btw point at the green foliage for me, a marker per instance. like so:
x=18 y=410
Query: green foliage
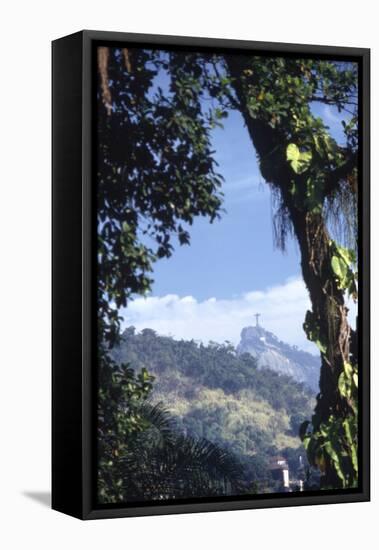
x=120 y=396
x=214 y=366
x=315 y=185
x=214 y=393
x=334 y=444
x=178 y=466
x=278 y=96
x=142 y=456
x=151 y=460
x=312 y=330
x=300 y=161
x=348 y=385
x=155 y=175
x=344 y=263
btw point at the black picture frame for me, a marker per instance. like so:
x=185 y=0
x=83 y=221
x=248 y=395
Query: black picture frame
x=73 y=295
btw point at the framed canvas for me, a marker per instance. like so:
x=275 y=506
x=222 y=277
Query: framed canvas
x=210 y=275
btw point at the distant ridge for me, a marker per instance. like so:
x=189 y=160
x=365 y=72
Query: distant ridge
x=215 y=393
x=273 y=354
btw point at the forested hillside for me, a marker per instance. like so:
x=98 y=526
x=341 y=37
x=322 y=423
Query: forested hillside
x=216 y=394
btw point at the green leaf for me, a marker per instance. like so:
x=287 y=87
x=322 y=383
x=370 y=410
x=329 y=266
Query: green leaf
x=330 y=146
x=347 y=254
x=349 y=427
x=348 y=368
x=318 y=147
x=320 y=346
x=336 y=461
x=300 y=161
x=346 y=426
x=343 y=385
x=354 y=458
x=339 y=267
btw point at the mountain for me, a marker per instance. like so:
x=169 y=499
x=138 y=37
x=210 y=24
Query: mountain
x=271 y=353
x=215 y=393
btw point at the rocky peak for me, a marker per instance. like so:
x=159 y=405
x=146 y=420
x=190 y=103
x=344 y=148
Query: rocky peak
x=276 y=355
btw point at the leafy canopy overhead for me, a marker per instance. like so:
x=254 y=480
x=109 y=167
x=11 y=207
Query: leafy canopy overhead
x=155 y=174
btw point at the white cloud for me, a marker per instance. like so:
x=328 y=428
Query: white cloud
x=282 y=311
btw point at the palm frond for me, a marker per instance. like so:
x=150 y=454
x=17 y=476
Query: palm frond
x=162 y=464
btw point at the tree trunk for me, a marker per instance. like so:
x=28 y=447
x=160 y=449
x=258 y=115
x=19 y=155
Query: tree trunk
x=329 y=313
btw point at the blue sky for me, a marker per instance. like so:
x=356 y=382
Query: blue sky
x=235 y=253
x=211 y=289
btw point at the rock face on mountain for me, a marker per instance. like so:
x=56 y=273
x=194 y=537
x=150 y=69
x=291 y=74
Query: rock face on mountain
x=278 y=356
x=216 y=394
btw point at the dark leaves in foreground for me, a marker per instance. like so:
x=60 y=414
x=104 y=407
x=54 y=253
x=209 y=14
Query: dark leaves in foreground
x=160 y=464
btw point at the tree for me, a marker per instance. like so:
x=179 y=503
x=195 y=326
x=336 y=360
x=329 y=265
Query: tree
x=162 y=464
x=199 y=385
x=121 y=394
x=161 y=155
x=313 y=178
x=314 y=182
x=155 y=174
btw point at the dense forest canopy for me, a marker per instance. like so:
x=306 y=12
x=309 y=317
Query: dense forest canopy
x=213 y=365
x=216 y=394
x=156 y=173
